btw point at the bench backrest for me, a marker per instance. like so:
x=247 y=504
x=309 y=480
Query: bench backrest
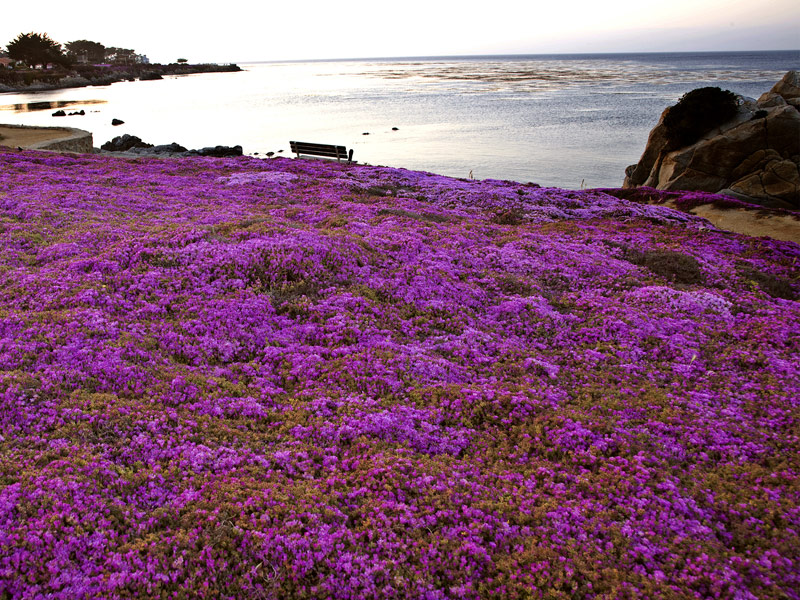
x=326 y=150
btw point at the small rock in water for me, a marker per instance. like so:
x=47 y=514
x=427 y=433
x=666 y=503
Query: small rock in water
x=59 y=113
x=270 y=154
x=395 y=129
x=116 y=122
x=365 y=133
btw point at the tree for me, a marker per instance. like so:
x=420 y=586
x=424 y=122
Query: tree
x=93 y=52
x=36 y=49
x=182 y=61
x=121 y=56
x=697 y=113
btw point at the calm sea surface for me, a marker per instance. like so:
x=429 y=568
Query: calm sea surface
x=557 y=120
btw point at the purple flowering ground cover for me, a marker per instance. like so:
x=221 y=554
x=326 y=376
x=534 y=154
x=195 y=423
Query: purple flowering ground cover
x=236 y=378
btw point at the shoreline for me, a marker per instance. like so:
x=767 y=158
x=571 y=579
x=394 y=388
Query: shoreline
x=32 y=80
x=259 y=111
x=743 y=219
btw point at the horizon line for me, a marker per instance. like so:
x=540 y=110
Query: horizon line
x=516 y=54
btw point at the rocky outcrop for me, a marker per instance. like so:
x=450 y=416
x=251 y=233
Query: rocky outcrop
x=218 y=151
x=171 y=148
x=132 y=144
x=787 y=88
x=122 y=143
x=754 y=157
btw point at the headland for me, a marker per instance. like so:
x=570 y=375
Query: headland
x=37 y=80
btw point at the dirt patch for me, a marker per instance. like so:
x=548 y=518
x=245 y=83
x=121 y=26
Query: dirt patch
x=24 y=137
x=723 y=212
x=751 y=222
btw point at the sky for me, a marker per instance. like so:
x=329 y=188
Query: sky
x=248 y=31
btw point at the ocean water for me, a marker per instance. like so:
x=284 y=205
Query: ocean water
x=557 y=120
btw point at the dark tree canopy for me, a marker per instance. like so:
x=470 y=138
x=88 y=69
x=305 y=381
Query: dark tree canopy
x=698 y=112
x=93 y=51
x=36 y=49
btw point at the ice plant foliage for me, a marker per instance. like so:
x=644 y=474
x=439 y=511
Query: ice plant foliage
x=236 y=378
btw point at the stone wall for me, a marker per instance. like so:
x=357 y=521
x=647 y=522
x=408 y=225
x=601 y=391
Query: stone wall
x=78 y=141
x=53 y=139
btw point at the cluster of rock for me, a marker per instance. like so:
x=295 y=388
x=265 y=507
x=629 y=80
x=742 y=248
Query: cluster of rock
x=132 y=144
x=754 y=157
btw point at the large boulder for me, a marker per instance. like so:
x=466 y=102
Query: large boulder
x=787 y=88
x=754 y=156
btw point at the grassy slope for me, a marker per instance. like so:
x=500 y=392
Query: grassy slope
x=244 y=378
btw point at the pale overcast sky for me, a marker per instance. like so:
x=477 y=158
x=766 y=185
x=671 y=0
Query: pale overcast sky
x=247 y=30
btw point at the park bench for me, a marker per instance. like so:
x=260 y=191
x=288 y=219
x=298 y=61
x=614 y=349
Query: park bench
x=325 y=150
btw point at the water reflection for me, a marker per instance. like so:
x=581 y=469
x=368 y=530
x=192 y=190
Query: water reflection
x=47 y=105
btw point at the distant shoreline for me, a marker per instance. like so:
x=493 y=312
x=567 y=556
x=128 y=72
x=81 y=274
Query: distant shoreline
x=39 y=80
